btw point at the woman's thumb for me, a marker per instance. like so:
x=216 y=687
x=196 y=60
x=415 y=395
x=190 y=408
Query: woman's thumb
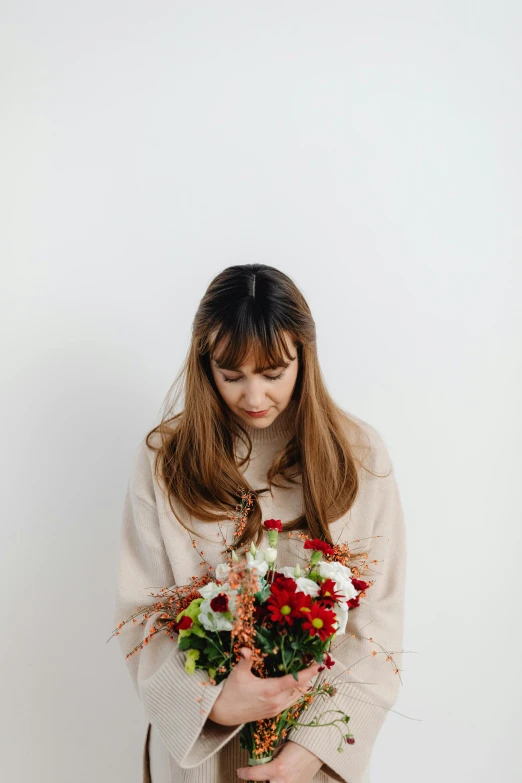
x=245 y=659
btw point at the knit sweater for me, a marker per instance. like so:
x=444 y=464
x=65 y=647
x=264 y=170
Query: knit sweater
x=156 y=551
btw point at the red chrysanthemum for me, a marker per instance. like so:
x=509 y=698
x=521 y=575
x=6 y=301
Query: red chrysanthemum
x=184 y=624
x=328 y=596
x=327 y=663
x=319 y=546
x=219 y=603
x=320 y=621
x=273 y=524
x=286 y=606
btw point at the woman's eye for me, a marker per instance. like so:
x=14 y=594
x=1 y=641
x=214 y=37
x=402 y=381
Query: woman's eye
x=268 y=377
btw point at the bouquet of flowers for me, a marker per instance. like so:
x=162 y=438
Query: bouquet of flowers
x=287 y=616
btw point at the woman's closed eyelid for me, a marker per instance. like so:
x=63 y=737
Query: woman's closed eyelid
x=268 y=377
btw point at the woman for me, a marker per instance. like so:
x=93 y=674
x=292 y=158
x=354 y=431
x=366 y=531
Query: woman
x=257 y=414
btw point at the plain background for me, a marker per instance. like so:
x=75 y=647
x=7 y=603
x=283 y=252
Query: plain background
x=372 y=152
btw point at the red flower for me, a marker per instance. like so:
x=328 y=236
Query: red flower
x=328 y=662
x=184 y=624
x=319 y=546
x=286 y=606
x=328 y=595
x=219 y=603
x=353 y=602
x=260 y=612
x=359 y=584
x=319 y=621
x=281 y=582
x=273 y=524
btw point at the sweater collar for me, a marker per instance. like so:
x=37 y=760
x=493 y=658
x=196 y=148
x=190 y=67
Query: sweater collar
x=282 y=427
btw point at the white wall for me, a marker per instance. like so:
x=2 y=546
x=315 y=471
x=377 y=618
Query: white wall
x=372 y=152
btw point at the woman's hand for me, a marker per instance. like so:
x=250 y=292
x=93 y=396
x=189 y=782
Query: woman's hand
x=292 y=764
x=245 y=697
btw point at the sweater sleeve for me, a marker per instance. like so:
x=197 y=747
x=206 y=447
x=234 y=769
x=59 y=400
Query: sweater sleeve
x=368 y=685
x=168 y=694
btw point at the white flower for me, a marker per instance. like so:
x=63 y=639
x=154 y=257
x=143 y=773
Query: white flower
x=341 y=575
x=259 y=564
x=222 y=571
x=210 y=590
x=287 y=571
x=217 y=621
x=307 y=586
x=214 y=621
x=341 y=610
x=334 y=570
x=270 y=555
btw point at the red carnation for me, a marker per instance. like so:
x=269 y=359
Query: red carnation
x=328 y=595
x=359 y=584
x=281 y=582
x=319 y=546
x=327 y=663
x=285 y=606
x=184 y=624
x=320 y=621
x=219 y=603
x=273 y=524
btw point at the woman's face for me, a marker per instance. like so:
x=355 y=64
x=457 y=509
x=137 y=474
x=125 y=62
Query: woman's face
x=243 y=390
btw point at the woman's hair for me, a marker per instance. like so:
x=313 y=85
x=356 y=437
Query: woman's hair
x=247 y=310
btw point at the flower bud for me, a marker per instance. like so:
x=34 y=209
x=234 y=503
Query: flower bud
x=316 y=556
x=235 y=558
x=270 y=555
x=272 y=538
x=253 y=549
x=297 y=571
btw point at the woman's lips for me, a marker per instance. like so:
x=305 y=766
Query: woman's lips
x=258 y=414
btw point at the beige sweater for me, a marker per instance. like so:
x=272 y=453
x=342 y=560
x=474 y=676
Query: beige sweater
x=156 y=552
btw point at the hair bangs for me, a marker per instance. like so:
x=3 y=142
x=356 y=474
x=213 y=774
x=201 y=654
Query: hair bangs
x=233 y=349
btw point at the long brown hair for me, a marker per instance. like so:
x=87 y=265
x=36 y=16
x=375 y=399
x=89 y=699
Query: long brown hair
x=248 y=309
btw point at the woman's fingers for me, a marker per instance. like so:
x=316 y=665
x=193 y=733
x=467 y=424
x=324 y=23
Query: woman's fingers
x=303 y=677
x=258 y=772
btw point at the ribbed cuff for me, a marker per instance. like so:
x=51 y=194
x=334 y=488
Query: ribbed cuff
x=170 y=703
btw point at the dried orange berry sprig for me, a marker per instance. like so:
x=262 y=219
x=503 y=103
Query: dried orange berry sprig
x=174 y=600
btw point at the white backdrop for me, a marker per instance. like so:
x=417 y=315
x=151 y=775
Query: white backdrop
x=370 y=151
